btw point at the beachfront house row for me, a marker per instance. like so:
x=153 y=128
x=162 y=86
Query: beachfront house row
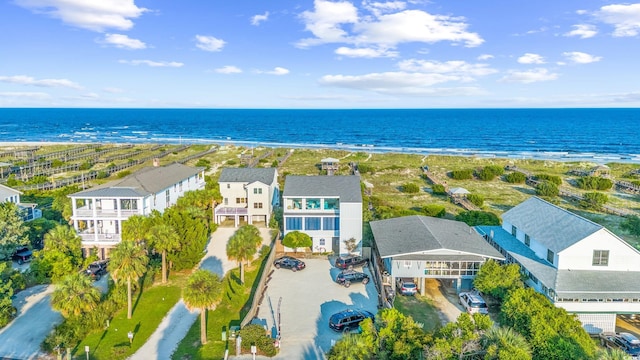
x=423 y=247
x=98 y=213
x=248 y=195
x=28 y=210
x=578 y=264
x=327 y=208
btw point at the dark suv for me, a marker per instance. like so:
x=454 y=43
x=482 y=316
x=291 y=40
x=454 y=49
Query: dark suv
x=351 y=261
x=348 y=319
x=22 y=255
x=289 y=262
x=96 y=269
x=624 y=341
x=346 y=277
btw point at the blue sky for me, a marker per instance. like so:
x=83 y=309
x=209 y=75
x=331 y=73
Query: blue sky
x=319 y=54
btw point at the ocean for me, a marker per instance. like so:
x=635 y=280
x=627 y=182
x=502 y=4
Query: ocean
x=597 y=135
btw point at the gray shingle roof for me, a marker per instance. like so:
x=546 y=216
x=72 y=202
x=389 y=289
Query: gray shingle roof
x=550 y=225
x=540 y=268
x=588 y=284
x=147 y=181
x=345 y=187
x=248 y=175
x=414 y=234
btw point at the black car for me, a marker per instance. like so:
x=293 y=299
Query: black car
x=346 y=277
x=351 y=261
x=289 y=262
x=348 y=319
x=22 y=255
x=96 y=269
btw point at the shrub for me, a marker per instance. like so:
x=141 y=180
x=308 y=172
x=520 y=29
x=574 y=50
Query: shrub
x=515 y=178
x=434 y=210
x=85 y=165
x=631 y=224
x=547 y=189
x=102 y=174
x=474 y=218
x=476 y=199
x=275 y=163
x=464 y=174
x=410 y=188
x=204 y=163
x=124 y=173
x=255 y=334
x=11 y=180
x=594 y=183
x=56 y=163
x=366 y=168
x=231 y=162
x=438 y=189
x=556 y=180
x=594 y=200
x=489 y=172
x=40 y=179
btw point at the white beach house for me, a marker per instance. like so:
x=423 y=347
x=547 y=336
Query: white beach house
x=578 y=264
x=29 y=211
x=98 y=213
x=327 y=208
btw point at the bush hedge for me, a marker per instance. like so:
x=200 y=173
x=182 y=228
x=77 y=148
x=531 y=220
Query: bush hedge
x=465 y=174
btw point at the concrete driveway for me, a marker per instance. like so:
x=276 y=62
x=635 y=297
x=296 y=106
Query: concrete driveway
x=306 y=299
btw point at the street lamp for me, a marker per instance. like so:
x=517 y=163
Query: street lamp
x=86 y=350
x=130 y=336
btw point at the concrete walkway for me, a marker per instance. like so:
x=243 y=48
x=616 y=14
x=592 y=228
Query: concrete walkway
x=175 y=325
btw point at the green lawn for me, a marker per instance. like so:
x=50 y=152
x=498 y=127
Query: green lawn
x=234 y=305
x=421 y=309
x=148 y=312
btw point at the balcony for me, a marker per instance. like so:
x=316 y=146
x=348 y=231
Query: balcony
x=89 y=236
x=85 y=212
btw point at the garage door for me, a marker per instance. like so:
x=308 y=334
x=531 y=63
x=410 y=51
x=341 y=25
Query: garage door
x=596 y=323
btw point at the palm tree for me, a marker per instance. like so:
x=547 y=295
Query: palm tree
x=203 y=291
x=128 y=263
x=612 y=354
x=75 y=295
x=243 y=245
x=164 y=238
x=504 y=339
x=135 y=228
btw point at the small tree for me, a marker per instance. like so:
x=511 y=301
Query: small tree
x=515 y=177
x=631 y=224
x=465 y=174
x=594 y=200
x=476 y=199
x=434 y=210
x=474 y=218
x=351 y=244
x=556 y=180
x=547 y=189
x=297 y=239
x=438 y=189
x=203 y=291
x=498 y=280
x=410 y=188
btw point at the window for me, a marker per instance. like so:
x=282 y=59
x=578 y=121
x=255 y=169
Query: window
x=527 y=240
x=550 y=255
x=331 y=204
x=294 y=223
x=154 y=200
x=226 y=201
x=312 y=223
x=257 y=205
x=600 y=258
x=168 y=197
x=321 y=242
x=331 y=223
x=180 y=186
x=241 y=200
x=533 y=278
x=514 y=230
x=257 y=190
x=228 y=186
x=313 y=204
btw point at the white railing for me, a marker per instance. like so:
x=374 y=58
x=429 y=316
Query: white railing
x=91 y=237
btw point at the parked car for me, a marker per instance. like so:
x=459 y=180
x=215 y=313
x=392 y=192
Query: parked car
x=289 y=262
x=346 y=277
x=351 y=261
x=406 y=286
x=473 y=303
x=22 y=255
x=349 y=319
x=624 y=341
x=96 y=269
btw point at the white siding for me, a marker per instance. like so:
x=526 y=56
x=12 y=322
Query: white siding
x=579 y=256
x=597 y=323
x=350 y=224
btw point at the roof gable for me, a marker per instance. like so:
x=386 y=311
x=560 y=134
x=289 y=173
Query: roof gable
x=550 y=225
x=347 y=188
x=248 y=175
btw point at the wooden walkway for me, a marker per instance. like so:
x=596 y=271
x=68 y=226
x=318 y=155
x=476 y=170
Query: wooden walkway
x=460 y=201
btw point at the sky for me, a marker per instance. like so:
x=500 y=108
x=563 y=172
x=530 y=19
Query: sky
x=319 y=54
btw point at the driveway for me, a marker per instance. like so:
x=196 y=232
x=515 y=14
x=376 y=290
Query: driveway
x=447 y=304
x=305 y=300
x=175 y=325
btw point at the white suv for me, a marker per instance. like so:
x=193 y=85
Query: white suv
x=473 y=303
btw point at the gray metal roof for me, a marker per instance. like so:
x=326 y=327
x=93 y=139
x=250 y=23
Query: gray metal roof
x=248 y=175
x=347 y=188
x=431 y=257
x=589 y=284
x=414 y=234
x=550 y=225
x=147 y=181
x=526 y=257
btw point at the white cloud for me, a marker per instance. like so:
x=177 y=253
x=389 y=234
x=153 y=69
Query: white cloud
x=26 y=95
x=328 y=19
x=277 y=71
x=229 y=69
x=28 y=80
x=92 y=15
x=113 y=90
x=152 y=63
x=584 y=31
x=530 y=58
x=209 y=43
x=529 y=76
x=461 y=69
x=484 y=57
x=580 y=57
x=257 y=19
x=625 y=18
x=365 y=52
x=124 y=42
x=378 y=8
